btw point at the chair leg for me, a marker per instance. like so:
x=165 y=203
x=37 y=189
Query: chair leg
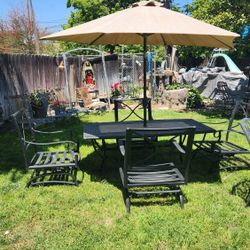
x=128 y=205
x=76 y=168
x=35 y=174
x=181 y=198
x=127 y=200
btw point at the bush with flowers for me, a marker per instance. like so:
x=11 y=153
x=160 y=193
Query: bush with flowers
x=117 y=89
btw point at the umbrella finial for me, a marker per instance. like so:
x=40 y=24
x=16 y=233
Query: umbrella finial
x=147 y=3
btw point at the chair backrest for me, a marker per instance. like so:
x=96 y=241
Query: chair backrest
x=146 y=135
x=225 y=93
x=132 y=109
x=240 y=106
x=23 y=125
x=245 y=125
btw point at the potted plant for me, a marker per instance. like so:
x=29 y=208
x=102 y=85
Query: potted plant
x=39 y=103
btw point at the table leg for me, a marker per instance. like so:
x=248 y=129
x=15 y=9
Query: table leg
x=101 y=150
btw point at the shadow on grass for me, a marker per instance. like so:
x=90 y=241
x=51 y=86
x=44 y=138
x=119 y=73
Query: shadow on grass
x=242 y=189
x=160 y=200
x=220 y=113
x=201 y=171
x=217 y=113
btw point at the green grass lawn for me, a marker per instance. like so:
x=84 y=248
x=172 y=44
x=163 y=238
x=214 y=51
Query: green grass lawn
x=93 y=215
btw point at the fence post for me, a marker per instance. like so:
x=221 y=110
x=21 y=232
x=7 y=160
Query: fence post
x=106 y=79
x=66 y=68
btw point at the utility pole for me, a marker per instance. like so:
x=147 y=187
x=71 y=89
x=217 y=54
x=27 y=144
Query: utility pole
x=32 y=24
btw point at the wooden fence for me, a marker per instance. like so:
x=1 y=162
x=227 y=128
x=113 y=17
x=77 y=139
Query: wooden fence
x=21 y=74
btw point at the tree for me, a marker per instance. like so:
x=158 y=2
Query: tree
x=167 y=3
x=17 y=34
x=228 y=14
x=87 y=10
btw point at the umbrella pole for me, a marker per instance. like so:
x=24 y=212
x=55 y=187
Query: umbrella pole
x=145 y=102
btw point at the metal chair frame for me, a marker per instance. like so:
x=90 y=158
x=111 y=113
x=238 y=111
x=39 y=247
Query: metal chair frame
x=148 y=175
x=224 y=150
x=245 y=125
x=49 y=167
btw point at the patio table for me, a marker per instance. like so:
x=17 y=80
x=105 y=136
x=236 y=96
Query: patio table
x=117 y=130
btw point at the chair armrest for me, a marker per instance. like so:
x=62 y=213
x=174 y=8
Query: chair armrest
x=49 y=143
x=214 y=122
x=178 y=147
x=45 y=132
x=59 y=132
x=231 y=130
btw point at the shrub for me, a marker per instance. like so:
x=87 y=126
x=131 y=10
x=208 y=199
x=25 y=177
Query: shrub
x=194 y=99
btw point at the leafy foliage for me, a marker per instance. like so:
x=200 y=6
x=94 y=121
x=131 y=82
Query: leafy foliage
x=38 y=97
x=87 y=10
x=194 y=99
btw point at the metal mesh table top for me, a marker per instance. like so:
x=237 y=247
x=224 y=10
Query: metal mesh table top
x=116 y=130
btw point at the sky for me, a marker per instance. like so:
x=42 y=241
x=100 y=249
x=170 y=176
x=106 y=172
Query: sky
x=50 y=13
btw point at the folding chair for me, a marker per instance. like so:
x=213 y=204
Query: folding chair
x=143 y=175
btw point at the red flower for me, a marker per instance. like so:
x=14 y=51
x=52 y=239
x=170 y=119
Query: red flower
x=117 y=89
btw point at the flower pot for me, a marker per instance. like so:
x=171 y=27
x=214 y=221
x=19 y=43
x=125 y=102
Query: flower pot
x=39 y=111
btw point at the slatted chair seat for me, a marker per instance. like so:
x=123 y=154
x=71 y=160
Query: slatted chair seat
x=221 y=148
x=53 y=159
x=58 y=167
x=152 y=178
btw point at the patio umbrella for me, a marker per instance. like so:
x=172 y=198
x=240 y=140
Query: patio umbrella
x=146 y=23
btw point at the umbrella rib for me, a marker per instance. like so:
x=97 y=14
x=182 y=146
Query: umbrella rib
x=163 y=40
x=97 y=39
x=220 y=41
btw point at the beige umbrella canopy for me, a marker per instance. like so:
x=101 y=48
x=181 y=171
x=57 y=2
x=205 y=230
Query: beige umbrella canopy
x=145 y=23
x=166 y=27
